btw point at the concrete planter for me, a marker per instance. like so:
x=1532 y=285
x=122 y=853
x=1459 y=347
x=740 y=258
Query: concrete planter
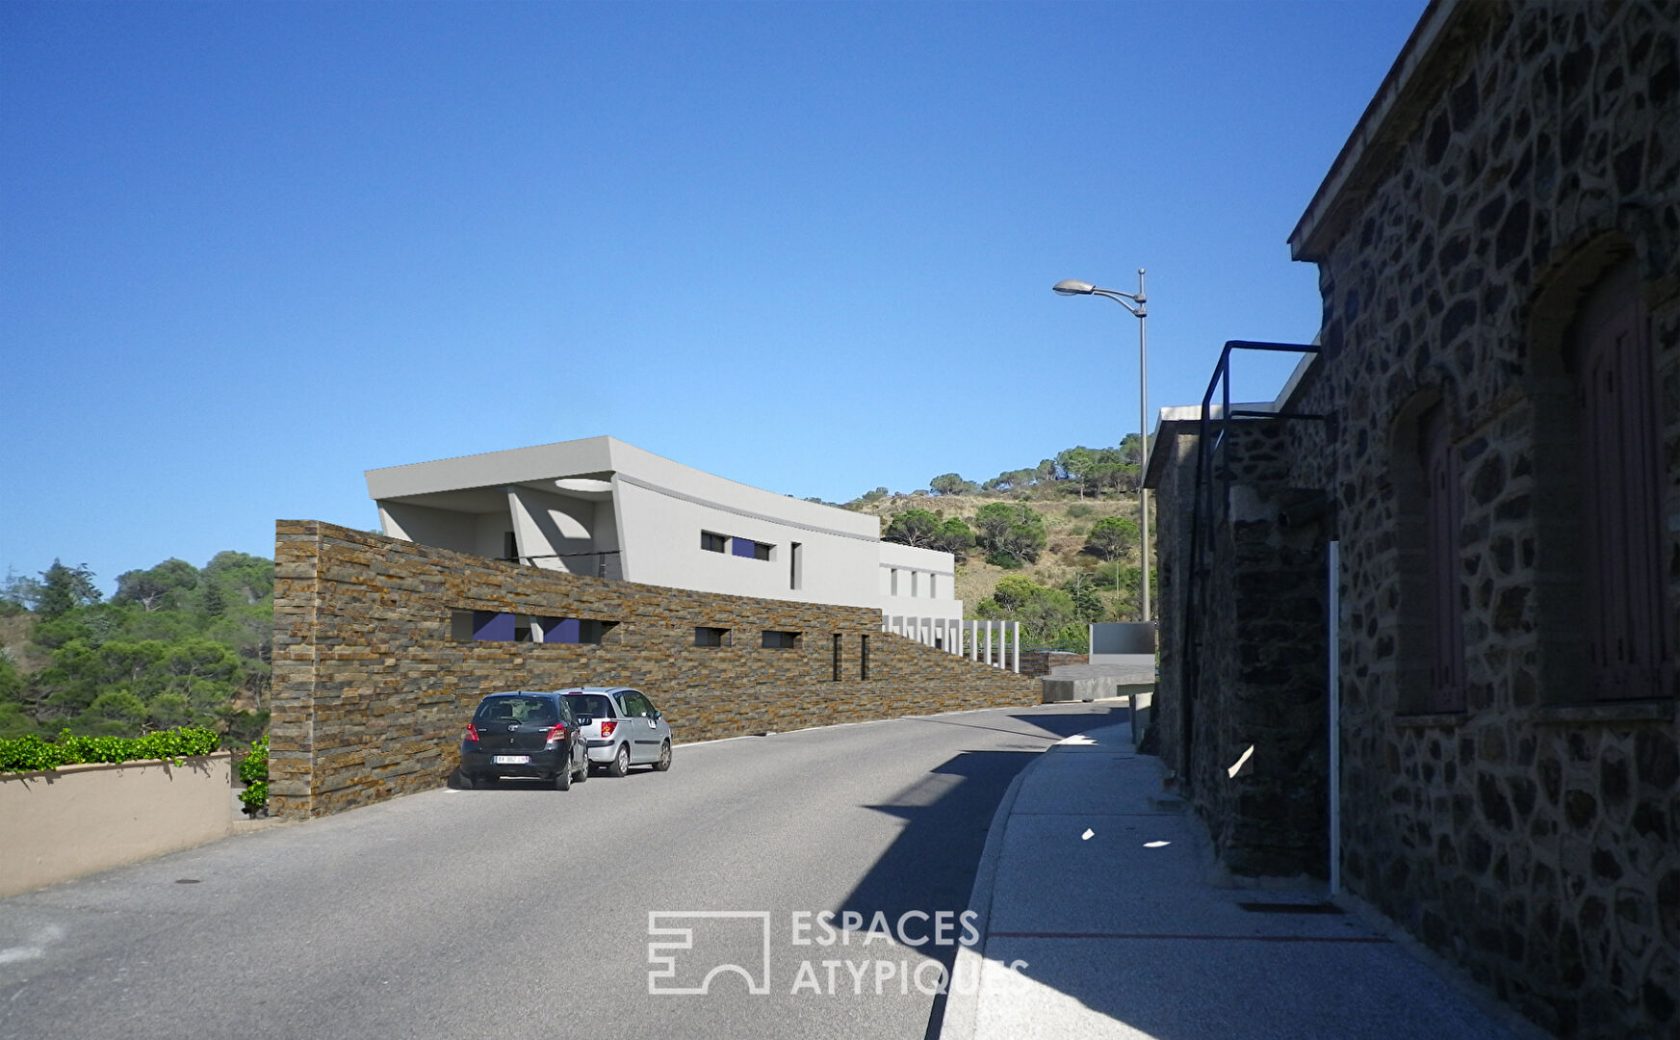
x=82 y=819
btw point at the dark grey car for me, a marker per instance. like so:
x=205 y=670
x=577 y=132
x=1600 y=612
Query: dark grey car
x=527 y=735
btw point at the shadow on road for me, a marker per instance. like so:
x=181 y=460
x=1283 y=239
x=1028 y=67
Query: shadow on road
x=930 y=867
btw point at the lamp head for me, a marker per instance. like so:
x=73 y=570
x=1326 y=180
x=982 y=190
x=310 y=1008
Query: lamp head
x=1072 y=287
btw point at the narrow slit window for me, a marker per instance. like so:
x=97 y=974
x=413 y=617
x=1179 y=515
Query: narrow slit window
x=837 y=658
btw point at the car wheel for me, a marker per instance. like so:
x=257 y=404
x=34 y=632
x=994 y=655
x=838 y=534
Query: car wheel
x=664 y=762
x=463 y=781
x=563 y=779
x=621 y=761
x=582 y=773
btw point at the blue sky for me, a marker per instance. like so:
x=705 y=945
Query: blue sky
x=248 y=251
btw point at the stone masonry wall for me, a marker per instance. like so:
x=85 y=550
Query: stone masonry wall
x=1533 y=836
x=371 y=689
x=1259 y=631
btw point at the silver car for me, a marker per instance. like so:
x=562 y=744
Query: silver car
x=621 y=728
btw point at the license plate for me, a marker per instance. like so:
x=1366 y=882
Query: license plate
x=512 y=760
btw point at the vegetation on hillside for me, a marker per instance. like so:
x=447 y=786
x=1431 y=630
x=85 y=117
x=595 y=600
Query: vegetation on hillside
x=175 y=646
x=1054 y=546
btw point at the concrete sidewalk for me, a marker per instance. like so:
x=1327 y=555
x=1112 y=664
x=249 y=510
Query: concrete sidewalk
x=1105 y=893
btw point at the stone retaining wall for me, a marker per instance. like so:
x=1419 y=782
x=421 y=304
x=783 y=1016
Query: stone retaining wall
x=372 y=688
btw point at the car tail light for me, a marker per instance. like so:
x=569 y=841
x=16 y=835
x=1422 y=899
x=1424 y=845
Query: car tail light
x=472 y=733
x=557 y=732
x=607 y=728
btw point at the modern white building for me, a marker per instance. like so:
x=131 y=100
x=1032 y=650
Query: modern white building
x=605 y=508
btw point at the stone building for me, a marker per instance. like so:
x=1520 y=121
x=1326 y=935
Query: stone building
x=1462 y=518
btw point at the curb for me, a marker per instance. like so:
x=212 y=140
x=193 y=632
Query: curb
x=962 y=1003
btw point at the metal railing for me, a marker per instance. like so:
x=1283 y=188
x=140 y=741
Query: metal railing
x=1210 y=453
x=599 y=569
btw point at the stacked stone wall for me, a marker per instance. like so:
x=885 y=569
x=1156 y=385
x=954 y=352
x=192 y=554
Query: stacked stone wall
x=372 y=688
x=1534 y=836
x=1038 y=663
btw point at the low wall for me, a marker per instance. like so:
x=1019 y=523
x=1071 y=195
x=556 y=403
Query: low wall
x=82 y=819
x=1036 y=663
x=372 y=685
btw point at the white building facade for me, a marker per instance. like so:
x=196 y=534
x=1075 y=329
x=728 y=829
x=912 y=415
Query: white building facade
x=605 y=508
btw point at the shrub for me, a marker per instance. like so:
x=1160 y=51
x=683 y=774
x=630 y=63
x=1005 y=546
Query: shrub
x=30 y=753
x=254 y=772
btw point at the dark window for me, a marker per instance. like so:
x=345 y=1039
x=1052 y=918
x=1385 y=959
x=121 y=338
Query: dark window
x=836 y=658
x=863 y=659
x=540 y=711
x=461 y=626
x=794 y=561
x=510 y=546
x=713 y=542
x=1439 y=460
x=711 y=637
x=560 y=630
x=493 y=626
x=781 y=641
x=1609 y=356
x=592 y=705
x=751 y=550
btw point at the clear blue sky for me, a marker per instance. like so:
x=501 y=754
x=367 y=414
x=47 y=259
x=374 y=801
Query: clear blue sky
x=248 y=251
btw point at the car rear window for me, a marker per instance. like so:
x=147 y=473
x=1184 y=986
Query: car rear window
x=536 y=710
x=594 y=705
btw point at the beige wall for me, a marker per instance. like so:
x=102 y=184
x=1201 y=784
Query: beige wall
x=82 y=819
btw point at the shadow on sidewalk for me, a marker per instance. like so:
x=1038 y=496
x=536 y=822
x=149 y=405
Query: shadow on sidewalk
x=930 y=867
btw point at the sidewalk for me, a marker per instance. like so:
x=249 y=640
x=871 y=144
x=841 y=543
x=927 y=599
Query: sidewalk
x=1123 y=933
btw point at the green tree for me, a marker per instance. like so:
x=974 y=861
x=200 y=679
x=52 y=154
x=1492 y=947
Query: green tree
x=65 y=588
x=243 y=578
x=1087 y=602
x=168 y=585
x=17 y=593
x=1011 y=533
x=1048 y=616
x=951 y=484
x=955 y=538
x=114 y=713
x=1112 y=536
x=917 y=527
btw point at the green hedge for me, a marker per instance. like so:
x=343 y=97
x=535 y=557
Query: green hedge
x=31 y=754
x=254 y=771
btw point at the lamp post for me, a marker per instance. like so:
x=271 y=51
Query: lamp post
x=1136 y=303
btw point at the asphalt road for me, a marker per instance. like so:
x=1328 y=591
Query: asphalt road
x=518 y=912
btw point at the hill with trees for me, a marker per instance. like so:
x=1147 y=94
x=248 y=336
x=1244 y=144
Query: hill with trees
x=1054 y=546
x=176 y=645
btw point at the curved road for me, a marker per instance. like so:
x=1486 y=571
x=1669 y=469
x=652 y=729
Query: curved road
x=518 y=912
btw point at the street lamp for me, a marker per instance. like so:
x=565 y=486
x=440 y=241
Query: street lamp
x=1136 y=303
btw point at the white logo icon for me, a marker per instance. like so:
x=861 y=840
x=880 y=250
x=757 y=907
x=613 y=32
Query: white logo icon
x=723 y=933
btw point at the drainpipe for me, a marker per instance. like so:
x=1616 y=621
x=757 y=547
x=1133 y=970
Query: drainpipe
x=1333 y=626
